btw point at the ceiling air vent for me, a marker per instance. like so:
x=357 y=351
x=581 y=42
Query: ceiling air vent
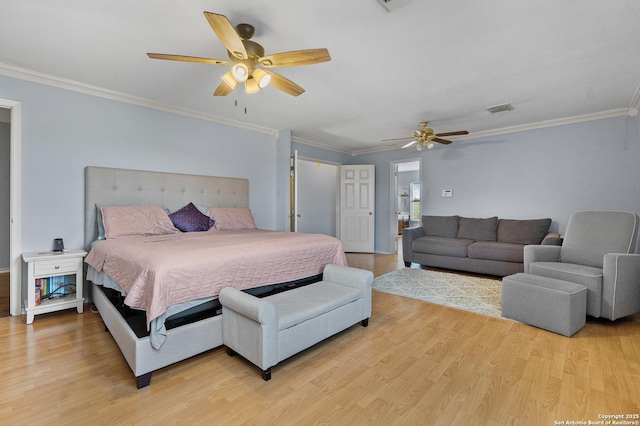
x=394 y=4
x=500 y=108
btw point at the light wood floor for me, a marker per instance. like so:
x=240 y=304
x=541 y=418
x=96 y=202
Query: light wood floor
x=416 y=363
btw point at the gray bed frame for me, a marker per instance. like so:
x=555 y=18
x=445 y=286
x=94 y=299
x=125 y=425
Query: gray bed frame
x=109 y=186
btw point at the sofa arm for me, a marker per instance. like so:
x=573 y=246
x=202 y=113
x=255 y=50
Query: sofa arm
x=539 y=253
x=552 y=239
x=408 y=235
x=621 y=285
x=259 y=310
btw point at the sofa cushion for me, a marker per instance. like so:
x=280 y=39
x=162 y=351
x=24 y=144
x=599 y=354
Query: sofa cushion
x=471 y=228
x=441 y=246
x=492 y=250
x=530 y=231
x=441 y=226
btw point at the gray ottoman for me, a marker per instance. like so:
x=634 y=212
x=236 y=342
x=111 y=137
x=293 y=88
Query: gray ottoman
x=555 y=305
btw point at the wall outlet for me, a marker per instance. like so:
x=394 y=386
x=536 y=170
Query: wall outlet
x=447 y=193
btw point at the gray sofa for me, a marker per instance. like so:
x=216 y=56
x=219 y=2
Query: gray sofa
x=489 y=246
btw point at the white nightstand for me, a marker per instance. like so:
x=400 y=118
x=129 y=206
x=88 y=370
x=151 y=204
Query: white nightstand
x=48 y=265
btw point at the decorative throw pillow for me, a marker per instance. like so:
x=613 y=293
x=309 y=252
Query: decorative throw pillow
x=231 y=218
x=441 y=226
x=190 y=219
x=126 y=221
x=471 y=228
x=530 y=231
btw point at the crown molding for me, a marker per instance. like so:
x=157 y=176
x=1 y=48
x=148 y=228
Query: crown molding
x=634 y=106
x=319 y=145
x=62 y=83
x=87 y=89
x=620 y=112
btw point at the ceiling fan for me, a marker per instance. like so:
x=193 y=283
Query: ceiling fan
x=249 y=64
x=425 y=137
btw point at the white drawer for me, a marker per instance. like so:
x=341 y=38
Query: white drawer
x=56 y=267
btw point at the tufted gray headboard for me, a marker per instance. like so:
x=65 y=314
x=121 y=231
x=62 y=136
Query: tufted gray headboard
x=109 y=186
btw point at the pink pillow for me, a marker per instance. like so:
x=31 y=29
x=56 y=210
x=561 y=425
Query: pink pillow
x=125 y=221
x=231 y=218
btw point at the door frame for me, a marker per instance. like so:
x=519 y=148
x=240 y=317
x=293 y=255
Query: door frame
x=15 y=203
x=393 y=194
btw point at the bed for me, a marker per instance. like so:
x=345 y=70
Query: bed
x=195 y=325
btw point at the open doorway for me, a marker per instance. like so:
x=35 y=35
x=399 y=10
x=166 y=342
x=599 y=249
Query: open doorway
x=15 y=201
x=406 y=197
x=5 y=217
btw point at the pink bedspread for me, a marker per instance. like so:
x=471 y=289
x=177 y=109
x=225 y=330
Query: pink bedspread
x=157 y=272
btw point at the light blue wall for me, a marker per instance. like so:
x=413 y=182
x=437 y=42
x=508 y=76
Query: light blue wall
x=540 y=173
x=548 y=172
x=64 y=131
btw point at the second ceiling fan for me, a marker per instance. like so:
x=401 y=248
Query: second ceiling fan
x=425 y=138
x=249 y=63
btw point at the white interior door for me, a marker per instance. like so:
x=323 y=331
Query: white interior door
x=357 y=208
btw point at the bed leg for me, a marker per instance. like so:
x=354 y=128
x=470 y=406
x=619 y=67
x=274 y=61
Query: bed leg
x=365 y=322
x=407 y=264
x=266 y=374
x=230 y=351
x=144 y=380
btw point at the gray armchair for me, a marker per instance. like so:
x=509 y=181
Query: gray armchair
x=597 y=252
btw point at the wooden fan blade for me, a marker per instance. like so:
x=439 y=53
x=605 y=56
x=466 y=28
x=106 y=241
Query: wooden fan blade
x=399 y=139
x=223 y=89
x=295 y=58
x=460 y=132
x=187 y=58
x=227 y=34
x=442 y=141
x=284 y=84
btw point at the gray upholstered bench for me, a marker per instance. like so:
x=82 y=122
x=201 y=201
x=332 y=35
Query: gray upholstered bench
x=268 y=330
x=555 y=305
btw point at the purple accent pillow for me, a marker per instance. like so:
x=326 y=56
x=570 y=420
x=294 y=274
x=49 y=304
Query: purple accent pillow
x=190 y=219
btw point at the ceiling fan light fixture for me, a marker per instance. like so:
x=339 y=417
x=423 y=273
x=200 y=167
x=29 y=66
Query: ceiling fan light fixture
x=429 y=144
x=240 y=72
x=229 y=79
x=420 y=146
x=262 y=77
x=251 y=86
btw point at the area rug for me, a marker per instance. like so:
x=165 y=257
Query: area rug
x=469 y=293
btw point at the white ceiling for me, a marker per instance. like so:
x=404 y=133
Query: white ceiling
x=440 y=61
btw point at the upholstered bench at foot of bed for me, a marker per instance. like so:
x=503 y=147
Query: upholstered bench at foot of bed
x=268 y=330
x=554 y=305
